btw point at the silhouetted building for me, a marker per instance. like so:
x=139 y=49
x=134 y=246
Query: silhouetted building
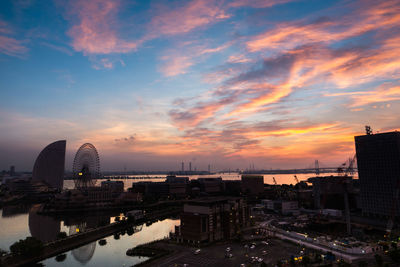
x=211 y=185
x=49 y=165
x=282 y=206
x=178 y=186
x=378 y=161
x=212 y=219
x=12 y=170
x=233 y=187
x=115 y=187
x=329 y=192
x=252 y=184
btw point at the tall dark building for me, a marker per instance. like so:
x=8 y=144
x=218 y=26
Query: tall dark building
x=49 y=165
x=378 y=160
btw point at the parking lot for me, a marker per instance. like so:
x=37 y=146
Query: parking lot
x=241 y=253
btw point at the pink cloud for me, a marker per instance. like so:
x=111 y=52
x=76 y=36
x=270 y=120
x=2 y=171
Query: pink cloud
x=175 y=65
x=366 y=18
x=178 y=20
x=177 y=62
x=94 y=28
x=258 y=3
x=8 y=44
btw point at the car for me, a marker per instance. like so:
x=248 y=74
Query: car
x=260 y=259
x=253 y=247
x=264 y=242
x=264 y=252
x=197 y=251
x=228 y=249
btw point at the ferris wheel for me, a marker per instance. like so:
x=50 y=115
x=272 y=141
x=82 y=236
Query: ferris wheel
x=86 y=167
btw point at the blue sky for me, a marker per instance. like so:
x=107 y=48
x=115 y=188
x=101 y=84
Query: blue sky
x=275 y=83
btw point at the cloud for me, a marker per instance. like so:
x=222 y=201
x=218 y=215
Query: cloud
x=95 y=28
x=9 y=45
x=384 y=93
x=183 y=19
x=258 y=3
x=176 y=62
x=59 y=48
x=368 y=16
x=175 y=65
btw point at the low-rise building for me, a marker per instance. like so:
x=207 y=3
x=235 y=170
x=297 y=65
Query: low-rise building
x=211 y=185
x=281 y=206
x=252 y=184
x=212 y=219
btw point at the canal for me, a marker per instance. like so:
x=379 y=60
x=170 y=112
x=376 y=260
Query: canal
x=21 y=221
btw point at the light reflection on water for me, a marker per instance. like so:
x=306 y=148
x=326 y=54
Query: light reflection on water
x=19 y=224
x=114 y=252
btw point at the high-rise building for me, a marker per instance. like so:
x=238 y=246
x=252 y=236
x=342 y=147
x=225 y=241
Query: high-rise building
x=49 y=165
x=190 y=166
x=183 y=166
x=378 y=161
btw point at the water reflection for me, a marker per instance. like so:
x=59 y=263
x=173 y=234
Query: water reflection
x=44 y=228
x=85 y=253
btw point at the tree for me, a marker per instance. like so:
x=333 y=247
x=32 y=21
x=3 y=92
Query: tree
x=61 y=257
x=2 y=252
x=30 y=246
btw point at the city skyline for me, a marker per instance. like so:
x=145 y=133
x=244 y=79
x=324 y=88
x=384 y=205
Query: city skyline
x=277 y=83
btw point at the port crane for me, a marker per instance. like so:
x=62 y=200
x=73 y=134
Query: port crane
x=296 y=179
x=347 y=168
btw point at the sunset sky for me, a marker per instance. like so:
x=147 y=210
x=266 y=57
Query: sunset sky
x=274 y=83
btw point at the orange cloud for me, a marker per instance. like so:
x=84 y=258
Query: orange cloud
x=95 y=32
x=384 y=93
x=366 y=18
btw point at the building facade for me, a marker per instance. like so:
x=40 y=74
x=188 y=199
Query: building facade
x=49 y=165
x=252 y=184
x=378 y=162
x=212 y=219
